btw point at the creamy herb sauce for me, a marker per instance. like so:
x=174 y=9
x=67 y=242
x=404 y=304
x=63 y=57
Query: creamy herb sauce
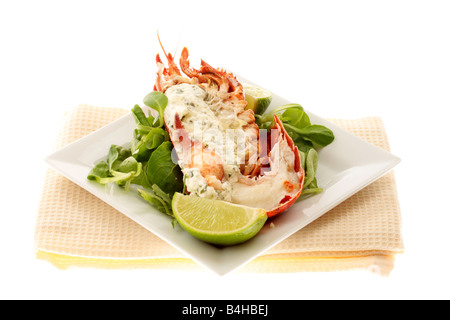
x=216 y=125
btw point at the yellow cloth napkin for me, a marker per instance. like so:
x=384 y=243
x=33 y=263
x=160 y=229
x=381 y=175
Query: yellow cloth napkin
x=75 y=228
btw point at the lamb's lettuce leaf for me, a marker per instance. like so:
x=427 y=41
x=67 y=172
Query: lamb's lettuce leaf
x=163 y=172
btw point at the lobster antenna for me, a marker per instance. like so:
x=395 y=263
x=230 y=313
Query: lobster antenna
x=162 y=47
x=178 y=44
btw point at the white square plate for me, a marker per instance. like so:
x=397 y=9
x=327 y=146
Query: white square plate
x=346 y=166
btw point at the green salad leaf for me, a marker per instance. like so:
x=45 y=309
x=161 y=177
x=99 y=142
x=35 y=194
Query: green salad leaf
x=157 y=101
x=140 y=117
x=159 y=198
x=265 y=121
x=155 y=138
x=317 y=134
x=298 y=125
x=142 y=179
x=296 y=117
x=116 y=156
x=163 y=172
x=120 y=168
x=101 y=173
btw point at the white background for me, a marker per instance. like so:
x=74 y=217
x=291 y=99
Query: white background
x=339 y=59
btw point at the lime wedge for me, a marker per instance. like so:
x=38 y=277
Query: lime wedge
x=217 y=222
x=258 y=99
